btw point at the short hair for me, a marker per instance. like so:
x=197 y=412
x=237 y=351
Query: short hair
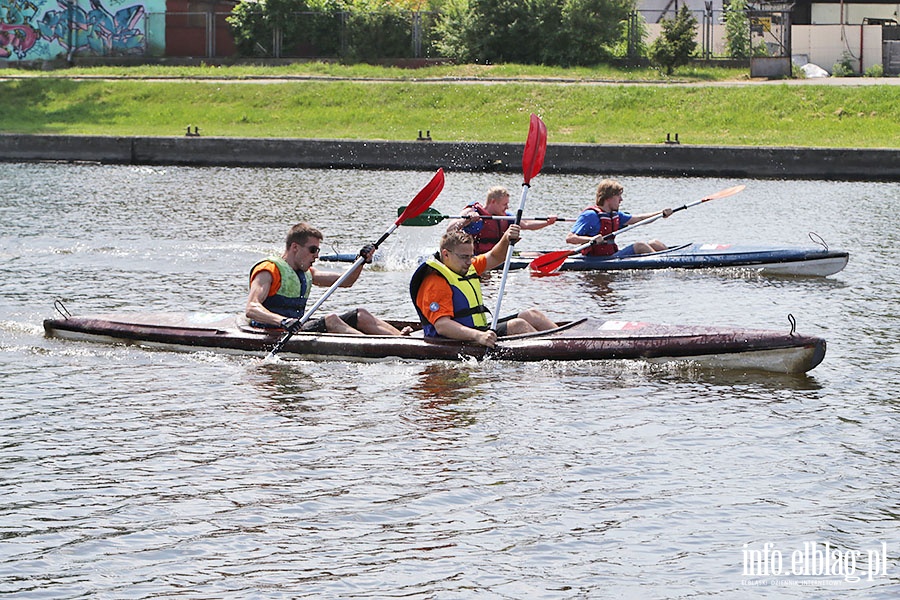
x=607 y=189
x=452 y=239
x=496 y=192
x=301 y=232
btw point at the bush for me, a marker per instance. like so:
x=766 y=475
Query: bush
x=588 y=30
x=250 y=29
x=844 y=67
x=383 y=34
x=875 y=71
x=677 y=44
x=632 y=43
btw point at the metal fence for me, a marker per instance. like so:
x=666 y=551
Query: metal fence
x=344 y=35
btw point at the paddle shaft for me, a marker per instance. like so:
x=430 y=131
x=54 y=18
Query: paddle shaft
x=507 y=262
x=510 y=218
x=432 y=217
x=532 y=161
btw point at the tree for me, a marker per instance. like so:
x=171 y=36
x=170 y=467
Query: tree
x=677 y=44
x=589 y=30
x=737 y=30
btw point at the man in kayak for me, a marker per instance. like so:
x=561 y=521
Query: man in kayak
x=604 y=218
x=280 y=286
x=446 y=290
x=487 y=232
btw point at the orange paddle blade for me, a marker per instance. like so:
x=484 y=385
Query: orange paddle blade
x=725 y=193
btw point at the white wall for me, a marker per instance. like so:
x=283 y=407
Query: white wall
x=830 y=14
x=825 y=45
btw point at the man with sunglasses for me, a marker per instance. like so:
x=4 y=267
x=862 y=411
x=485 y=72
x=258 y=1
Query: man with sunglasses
x=446 y=290
x=280 y=286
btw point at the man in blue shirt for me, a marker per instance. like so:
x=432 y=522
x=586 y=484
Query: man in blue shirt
x=605 y=218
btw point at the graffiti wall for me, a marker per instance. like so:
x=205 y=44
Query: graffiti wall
x=50 y=29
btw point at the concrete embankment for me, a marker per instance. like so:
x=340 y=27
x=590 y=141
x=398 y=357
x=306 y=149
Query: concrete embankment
x=680 y=160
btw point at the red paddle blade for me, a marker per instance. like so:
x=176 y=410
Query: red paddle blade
x=549 y=262
x=726 y=192
x=424 y=198
x=535 y=148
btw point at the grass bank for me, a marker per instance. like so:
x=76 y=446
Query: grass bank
x=453 y=103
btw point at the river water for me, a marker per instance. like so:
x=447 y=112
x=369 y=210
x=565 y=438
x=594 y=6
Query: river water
x=129 y=473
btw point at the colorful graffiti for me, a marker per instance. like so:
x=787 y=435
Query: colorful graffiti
x=95 y=32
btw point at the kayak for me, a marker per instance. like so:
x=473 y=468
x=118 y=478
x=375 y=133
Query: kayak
x=809 y=261
x=583 y=339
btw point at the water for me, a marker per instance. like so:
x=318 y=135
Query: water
x=129 y=473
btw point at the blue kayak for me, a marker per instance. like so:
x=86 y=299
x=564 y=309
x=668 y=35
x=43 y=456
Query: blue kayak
x=809 y=261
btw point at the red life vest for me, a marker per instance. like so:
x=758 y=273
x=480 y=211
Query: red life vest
x=609 y=222
x=491 y=231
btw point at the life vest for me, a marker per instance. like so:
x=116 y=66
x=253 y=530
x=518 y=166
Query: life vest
x=609 y=222
x=290 y=298
x=468 y=306
x=491 y=231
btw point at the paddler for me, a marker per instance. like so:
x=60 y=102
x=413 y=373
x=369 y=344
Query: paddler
x=487 y=232
x=280 y=286
x=446 y=290
x=604 y=218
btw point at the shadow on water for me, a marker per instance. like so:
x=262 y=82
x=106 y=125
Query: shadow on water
x=288 y=386
x=442 y=389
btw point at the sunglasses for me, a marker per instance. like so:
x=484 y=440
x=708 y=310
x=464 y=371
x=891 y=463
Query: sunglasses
x=313 y=249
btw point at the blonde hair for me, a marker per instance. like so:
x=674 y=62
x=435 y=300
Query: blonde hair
x=498 y=191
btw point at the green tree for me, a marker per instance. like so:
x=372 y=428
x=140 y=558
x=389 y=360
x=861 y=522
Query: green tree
x=507 y=31
x=454 y=31
x=588 y=30
x=677 y=44
x=385 y=33
x=250 y=28
x=737 y=30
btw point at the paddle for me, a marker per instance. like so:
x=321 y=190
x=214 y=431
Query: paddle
x=422 y=201
x=433 y=217
x=532 y=161
x=549 y=262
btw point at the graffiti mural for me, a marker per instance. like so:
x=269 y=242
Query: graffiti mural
x=17 y=36
x=34 y=31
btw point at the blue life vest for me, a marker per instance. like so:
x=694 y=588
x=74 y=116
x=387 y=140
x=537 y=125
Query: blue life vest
x=468 y=306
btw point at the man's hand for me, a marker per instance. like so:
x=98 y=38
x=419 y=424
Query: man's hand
x=292 y=325
x=551 y=219
x=513 y=233
x=667 y=212
x=470 y=215
x=487 y=338
x=368 y=252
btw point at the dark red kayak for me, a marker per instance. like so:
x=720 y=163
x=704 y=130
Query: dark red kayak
x=584 y=339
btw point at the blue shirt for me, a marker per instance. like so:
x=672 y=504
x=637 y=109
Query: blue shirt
x=588 y=222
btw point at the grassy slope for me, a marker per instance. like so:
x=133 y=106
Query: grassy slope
x=397 y=105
